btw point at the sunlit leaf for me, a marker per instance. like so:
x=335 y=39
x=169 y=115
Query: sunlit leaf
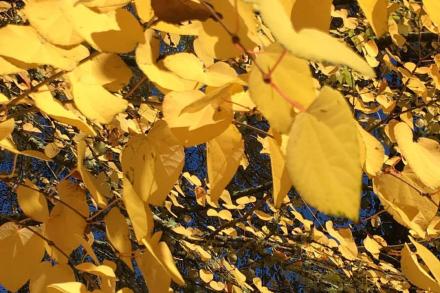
x=290 y=86
x=223 y=158
x=107 y=70
x=105 y=5
x=406 y=202
x=146 y=56
x=95 y=186
x=6 y=128
x=323 y=147
x=153 y=163
x=56 y=26
x=432 y=7
x=237 y=16
x=431 y=261
x=22 y=43
x=373 y=152
x=21 y=251
x=196 y=126
x=101 y=270
x=50 y=106
x=423 y=156
x=47 y=274
x=281 y=182
x=101 y=30
x=347 y=246
x=32 y=202
x=140 y=214
x=66 y=220
x=144 y=10
x=307 y=43
x=117 y=232
x=415 y=273
x=188 y=66
x=96 y=103
x=376 y=12
x=205 y=275
x=67 y=287
x=311 y=14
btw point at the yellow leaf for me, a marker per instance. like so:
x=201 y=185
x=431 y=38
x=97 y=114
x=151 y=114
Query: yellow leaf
x=146 y=56
x=66 y=220
x=160 y=253
x=117 y=232
x=347 y=246
x=153 y=163
x=8 y=144
x=245 y=200
x=48 y=105
x=432 y=7
x=101 y=30
x=108 y=70
x=280 y=177
x=67 y=287
x=32 y=202
x=372 y=246
x=87 y=246
x=52 y=150
x=225 y=215
x=96 y=103
x=6 y=128
x=164 y=254
x=422 y=156
x=323 y=156
x=242 y=102
x=188 y=66
x=144 y=10
x=307 y=43
x=46 y=274
x=205 y=275
x=196 y=126
x=185 y=65
x=101 y=270
x=156 y=276
x=401 y=198
x=292 y=85
x=23 y=43
x=311 y=14
x=97 y=189
x=3 y=99
x=55 y=26
x=21 y=251
x=428 y=258
x=415 y=273
x=221 y=73
x=374 y=154
x=376 y=12
x=237 y=16
x=187 y=28
x=105 y=5
x=223 y=158
x=259 y=284
x=140 y=214
x=12 y=66
x=263 y=216
x=217 y=286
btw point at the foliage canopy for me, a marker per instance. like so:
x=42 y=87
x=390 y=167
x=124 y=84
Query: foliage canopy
x=232 y=145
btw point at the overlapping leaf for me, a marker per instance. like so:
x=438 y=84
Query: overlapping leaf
x=322 y=140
